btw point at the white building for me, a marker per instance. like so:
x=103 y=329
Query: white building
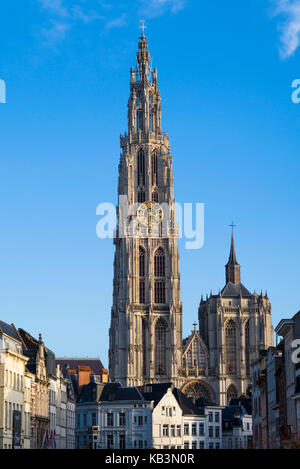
x=152 y=416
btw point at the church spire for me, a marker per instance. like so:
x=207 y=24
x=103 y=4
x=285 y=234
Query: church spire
x=233 y=269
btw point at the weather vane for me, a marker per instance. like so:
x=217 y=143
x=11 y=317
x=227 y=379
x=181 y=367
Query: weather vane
x=232 y=226
x=143 y=26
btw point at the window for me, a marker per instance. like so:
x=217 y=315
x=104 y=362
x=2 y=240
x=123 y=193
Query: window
x=144 y=347
x=141 y=168
x=186 y=429
x=141 y=196
x=231 y=393
x=194 y=429
x=201 y=444
x=122 y=444
x=201 y=429
x=247 y=347
x=210 y=432
x=211 y=446
x=140 y=443
x=159 y=263
x=160 y=347
x=210 y=416
x=122 y=419
x=186 y=445
x=217 y=445
x=165 y=430
x=142 y=275
x=217 y=432
x=154 y=169
x=194 y=444
x=217 y=417
x=230 y=333
x=139 y=119
x=110 y=441
x=172 y=430
x=140 y=420
x=94 y=419
x=110 y=419
x=178 y=430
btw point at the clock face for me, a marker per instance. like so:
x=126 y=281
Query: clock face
x=150 y=214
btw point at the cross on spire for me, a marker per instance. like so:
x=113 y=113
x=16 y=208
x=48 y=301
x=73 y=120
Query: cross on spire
x=143 y=27
x=232 y=226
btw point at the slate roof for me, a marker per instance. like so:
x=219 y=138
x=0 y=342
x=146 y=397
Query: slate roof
x=232 y=416
x=94 y=363
x=187 y=405
x=246 y=402
x=232 y=290
x=154 y=392
x=9 y=330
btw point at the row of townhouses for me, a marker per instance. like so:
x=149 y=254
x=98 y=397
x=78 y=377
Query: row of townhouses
x=37 y=400
x=66 y=403
x=276 y=390
x=156 y=416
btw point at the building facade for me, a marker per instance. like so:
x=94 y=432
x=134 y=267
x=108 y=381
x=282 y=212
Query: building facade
x=15 y=391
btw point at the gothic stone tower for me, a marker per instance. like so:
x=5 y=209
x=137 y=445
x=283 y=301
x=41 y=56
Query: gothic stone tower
x=235 y=325
x=146 y=317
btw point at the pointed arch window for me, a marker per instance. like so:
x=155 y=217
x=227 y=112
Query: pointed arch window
x=155 y=196
x=231 y=393
x=247 y=347
x=230 y=333
x=159 y=277
x=159 y=263
x=141 y=168
x=154 y=168
x=141 y=196
x=139 y=120
x=142 y=292
x=144 y=346
x=160 y=347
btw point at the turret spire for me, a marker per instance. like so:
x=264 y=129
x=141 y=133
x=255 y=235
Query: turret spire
x=233 y=269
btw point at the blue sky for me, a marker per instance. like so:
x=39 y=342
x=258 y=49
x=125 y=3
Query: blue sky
x=225 y=71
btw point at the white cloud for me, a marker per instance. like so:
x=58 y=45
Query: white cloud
x=152 y=8
x=117 y=22
x=290 y=27
x=54 y=6
x=56 y=32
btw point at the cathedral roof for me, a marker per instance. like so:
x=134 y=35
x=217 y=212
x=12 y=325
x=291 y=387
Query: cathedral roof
x=232 y=290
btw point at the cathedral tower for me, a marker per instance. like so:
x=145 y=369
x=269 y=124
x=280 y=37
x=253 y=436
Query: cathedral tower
x=145 y=332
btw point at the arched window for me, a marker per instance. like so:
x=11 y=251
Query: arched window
x=155 y=196
x=159 y=274
x=141 y=196
x=159 y=263
x=231 y=393
x=141 y=168
x=151 y=121
x=139 y=120
x=144 y=345
x=160 y=347
x=154 y=171
x=247 y=347
x=230 y=334
x=142 y=296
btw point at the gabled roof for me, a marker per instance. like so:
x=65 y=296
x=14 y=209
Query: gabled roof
x=235 y=290
x=154 y=392
x=9 y=330
x=186 y=404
